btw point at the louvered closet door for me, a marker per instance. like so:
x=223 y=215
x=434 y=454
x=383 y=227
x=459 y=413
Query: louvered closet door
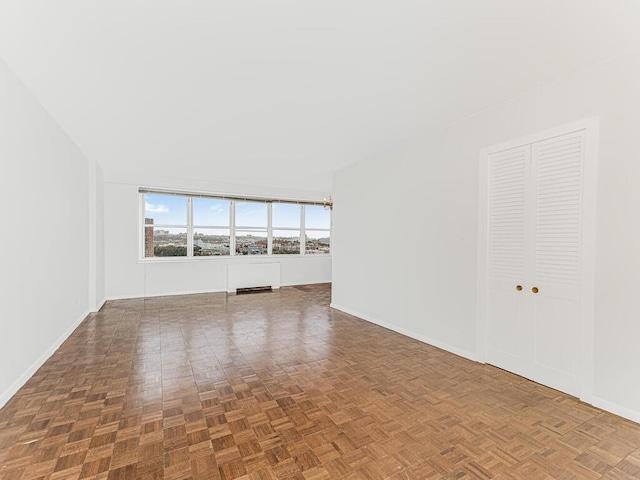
x=557 y=166
x=535 y=228
x=507 y=330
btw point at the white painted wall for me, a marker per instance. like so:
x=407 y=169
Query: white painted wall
x=96 y=237
x=405 y=225
x=44 y=206
x=127 y=276
x=100 y=287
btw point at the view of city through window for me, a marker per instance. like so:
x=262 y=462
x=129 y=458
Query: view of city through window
x=166 y=227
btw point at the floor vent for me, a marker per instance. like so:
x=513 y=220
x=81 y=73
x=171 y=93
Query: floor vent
x=241 y=291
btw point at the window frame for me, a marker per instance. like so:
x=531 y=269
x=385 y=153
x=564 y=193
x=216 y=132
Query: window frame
x=304 y=232
x=298 y=229
x=232 y=227
x=250 y=229
x=143 y=231
x=194 y=227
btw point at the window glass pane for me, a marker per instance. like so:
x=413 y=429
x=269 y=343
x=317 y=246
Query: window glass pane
x=165 y=242
x=286 y=215
x=318 y=242
x=211 y=242
x=316 y=216
x=211 y=211
x=251 y=214
x=251 y=243
x=165 y=209
x=286 y=242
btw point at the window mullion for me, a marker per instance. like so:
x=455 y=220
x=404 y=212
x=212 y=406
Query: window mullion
x=141 y=215
x=303 y=232
x=269 y=228
x=232 y=233
x=189 y=227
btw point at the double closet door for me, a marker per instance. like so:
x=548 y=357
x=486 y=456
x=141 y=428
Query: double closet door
x=535 y=210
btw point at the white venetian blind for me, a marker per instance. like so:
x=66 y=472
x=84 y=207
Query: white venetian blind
x=507 y=172
x=559 y=164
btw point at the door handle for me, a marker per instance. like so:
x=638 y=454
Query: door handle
x=535 y=290
x=518 y=287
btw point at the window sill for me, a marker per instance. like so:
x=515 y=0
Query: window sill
x=226 y=258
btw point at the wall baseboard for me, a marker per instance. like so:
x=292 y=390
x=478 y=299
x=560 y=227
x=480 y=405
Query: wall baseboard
x=411 y=334
x=321 y=282
x=611 y=407
x=99 y=306
x=20 y=381
x=195 y=292
x=166 y=294
x=606 y=405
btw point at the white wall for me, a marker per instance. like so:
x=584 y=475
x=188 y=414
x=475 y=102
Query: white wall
x=100 y=286
x=405 y=226
x=44 y=206
x=96 y=237
x=127 y=277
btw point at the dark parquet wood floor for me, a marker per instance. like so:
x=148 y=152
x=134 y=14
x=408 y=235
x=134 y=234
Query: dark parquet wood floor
x=279 y=386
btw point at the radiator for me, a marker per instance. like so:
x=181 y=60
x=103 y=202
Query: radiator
x=251 y=275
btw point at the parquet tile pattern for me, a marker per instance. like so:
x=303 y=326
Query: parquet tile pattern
x=279 y=386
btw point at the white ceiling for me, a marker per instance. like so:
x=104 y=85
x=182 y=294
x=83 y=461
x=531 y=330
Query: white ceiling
x=283 y=92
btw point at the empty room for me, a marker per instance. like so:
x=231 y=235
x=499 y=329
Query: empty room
x=340 y=239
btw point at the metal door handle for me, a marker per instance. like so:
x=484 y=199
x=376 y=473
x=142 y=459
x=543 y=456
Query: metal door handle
x=535 y=290
x=518 y=287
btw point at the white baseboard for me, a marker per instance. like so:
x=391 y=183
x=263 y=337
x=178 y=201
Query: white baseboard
x=15 y=386
x=611 y=407
x=166 y=294
x=305 y=283
x=625 y=412
x=99 y=306
x=411 y=334
x=193 y=292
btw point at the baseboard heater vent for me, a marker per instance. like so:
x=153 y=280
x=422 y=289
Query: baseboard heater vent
x=241 y=291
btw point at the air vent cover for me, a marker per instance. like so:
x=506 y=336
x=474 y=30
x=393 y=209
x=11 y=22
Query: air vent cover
x=241 y=291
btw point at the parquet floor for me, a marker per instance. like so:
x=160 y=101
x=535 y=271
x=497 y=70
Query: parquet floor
x=279 y=386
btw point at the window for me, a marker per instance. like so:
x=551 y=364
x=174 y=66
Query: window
x=317 y=229
x=286 y=228
x=165 y=225
x=252 y=220
x=183 y=225
x=211 y=227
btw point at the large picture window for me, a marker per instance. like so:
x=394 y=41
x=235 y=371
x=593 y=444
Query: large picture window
x=184 y=225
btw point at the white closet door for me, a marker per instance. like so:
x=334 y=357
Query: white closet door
x=507 y=228
x=534 y=258
x=557 y=166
